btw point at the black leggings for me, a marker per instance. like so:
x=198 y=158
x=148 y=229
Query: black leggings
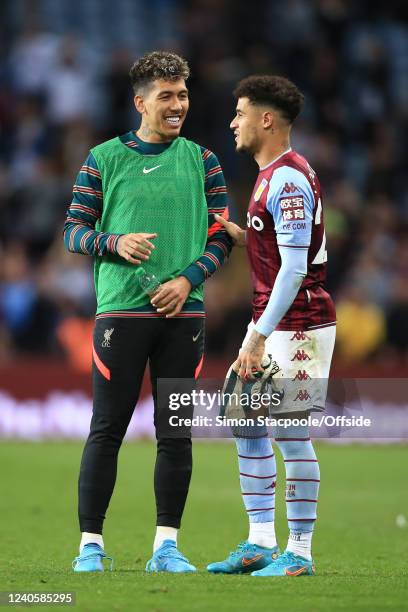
x=122 y=347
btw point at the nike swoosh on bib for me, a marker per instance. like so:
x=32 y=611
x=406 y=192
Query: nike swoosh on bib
x=147 y=170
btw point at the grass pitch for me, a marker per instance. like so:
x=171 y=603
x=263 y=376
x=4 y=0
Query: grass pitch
x=360 y=552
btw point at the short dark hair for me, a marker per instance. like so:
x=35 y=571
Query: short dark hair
x=158 y=65
x=275 y=91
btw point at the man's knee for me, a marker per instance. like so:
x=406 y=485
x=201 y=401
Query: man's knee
x=105 y=431
x=174 y=446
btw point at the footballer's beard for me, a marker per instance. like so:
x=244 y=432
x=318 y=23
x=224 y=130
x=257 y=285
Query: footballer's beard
x=160 y=130
x=242 y=148
x=167 y=131
x=246 y=147
x=249 y=144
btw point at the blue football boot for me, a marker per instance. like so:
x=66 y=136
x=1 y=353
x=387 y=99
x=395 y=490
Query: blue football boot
x=288 y=564
x=246 y=558
x=168 y=559
x=91 y=559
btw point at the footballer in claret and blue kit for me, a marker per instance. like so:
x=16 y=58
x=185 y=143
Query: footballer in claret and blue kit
x=293 y=320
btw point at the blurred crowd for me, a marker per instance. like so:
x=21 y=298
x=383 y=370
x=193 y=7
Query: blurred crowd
x=64 y=87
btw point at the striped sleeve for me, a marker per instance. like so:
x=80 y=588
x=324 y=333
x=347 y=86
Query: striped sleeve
x=219 y=244
x=84 y=211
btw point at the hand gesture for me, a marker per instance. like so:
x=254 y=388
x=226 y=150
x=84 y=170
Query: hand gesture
x=237 y=234
x=136 y=248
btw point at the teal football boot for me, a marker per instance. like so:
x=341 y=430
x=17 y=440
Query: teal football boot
x=288 y=564
x=246 y=558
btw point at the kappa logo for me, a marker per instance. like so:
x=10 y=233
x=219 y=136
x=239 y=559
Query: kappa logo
x=107 y=337
x=302 y=396
x=300 y=355
x=271 y=486
x=290 y=188
x=300 y=335
x=301 y=375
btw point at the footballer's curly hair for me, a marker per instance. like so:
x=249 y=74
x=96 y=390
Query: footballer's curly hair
x=275 y=91
x=157 y=65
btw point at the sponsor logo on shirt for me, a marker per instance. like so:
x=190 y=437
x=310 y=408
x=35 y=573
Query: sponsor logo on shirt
x=292 y=208
x=294 y=226
x=291 y=202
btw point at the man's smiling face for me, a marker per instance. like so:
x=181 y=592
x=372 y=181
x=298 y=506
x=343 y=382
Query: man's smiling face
x=247 y=126
x=163 y=106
